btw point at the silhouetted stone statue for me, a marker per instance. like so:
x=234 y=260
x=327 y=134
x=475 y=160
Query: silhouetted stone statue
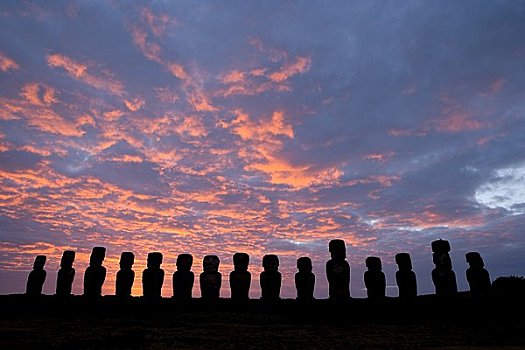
x=210 y=278
x=95 y=274
x=37 y=277
x=66 y=274
x=478 y=278
x=338 y=272
x=443 y=277
x=304 y=279
x=183 y=278
x=375 y=281
x=125 y=276
x=240 y=278
x=406 y=278
x=153 y=276
x=270 y=278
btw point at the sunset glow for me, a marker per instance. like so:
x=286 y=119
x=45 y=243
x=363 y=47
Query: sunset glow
x=265 y=127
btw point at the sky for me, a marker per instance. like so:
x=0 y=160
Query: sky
x=265 y=127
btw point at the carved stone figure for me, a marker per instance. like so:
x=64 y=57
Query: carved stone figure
x=443 y=277
x=405 y=278
x=210 y=278
x=183 y=278
x=304 y=279
x=240 y=278
x=125 y=276
x=270 y=278
x=477 y=277
x=375 y=281
x=37 y=277
x=153 y=276
x=338 y=272
x=66 y=274
x=95 y=274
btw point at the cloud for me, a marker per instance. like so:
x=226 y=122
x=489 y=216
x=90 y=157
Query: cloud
x=7 y=64
x=86 y=73
x=39 y=95
x=135 y=104
x=300 y=65
x=140 y=132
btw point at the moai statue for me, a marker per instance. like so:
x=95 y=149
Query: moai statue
x=240 y=278
x=270 y=278
x=210 y=278
x=443 y=277
x=37 y=277
x=153 y=276
x=125 y=276
x=304 y=279
x=478 y=278
x=338 y=272
x=95 y=274
x=66 y=274
x=183 y=278
x=405 y=278
x=375 y=281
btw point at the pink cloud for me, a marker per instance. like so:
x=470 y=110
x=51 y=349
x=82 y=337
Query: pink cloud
x=87 y=73
x=151 y=50
x=300 y=65
x=157 y=23
x=39 y=94
x=134 y=104
x=7 y=63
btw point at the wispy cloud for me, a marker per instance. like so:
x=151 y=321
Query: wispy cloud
x=87 y=73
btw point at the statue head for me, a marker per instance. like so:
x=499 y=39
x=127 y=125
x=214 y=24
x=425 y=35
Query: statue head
x=241 y=261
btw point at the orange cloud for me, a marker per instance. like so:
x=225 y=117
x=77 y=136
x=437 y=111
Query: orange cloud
x=301 y=65
x=126 y=158
x=35 y=112
x=178 y=71
x=148 y=49
x=7 y=63
x=200 y=102
x=247 y=129
x=99 y=79
x=191 y=126
x=113 y=115
x=258 y=80
x=265 y=141
x=38 y=94
x=134 y=104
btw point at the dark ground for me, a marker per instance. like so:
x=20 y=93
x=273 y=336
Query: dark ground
x=141 y=324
